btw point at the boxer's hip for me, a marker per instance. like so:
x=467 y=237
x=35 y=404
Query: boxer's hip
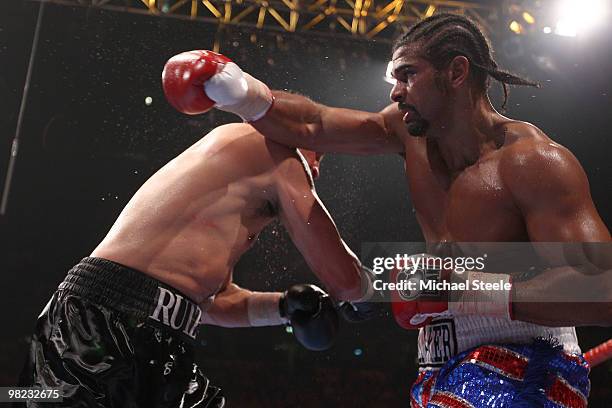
x=132 y=295
x=113 y=336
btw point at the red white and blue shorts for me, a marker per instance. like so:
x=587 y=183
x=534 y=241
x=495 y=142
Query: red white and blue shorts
x=540 y=374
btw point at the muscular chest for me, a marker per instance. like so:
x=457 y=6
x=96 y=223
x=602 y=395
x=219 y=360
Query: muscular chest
x=473 y=205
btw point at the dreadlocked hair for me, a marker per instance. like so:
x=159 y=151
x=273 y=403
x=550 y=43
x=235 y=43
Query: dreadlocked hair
x=444 y=36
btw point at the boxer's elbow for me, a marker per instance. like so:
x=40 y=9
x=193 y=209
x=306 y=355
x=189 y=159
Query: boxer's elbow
x=606 y=304
x=594 y=314
x=347 y=294
x=312 y=130
x=348 y=285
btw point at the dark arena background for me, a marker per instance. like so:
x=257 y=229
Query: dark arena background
x=96 y=126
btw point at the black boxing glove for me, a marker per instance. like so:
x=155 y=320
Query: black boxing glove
x=312 y=315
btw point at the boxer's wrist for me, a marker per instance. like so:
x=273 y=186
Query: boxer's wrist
x=493 y=303
x=364 y=307
x=258 y=102
x=237 y=92
x=367 y=285
x=263 y=309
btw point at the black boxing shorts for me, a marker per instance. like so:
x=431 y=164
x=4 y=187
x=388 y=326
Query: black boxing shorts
x=112 y=336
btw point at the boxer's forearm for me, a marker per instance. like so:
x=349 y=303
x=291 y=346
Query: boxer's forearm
x=343 y=282
x=564 y=314
x=234 y=307
x=293 y=120
x=229 y=308
x=296 y=121
x=565 y=296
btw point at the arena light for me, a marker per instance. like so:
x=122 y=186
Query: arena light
x=516 y=27
x=529 y=19
x=577 y=16
x=430 y=10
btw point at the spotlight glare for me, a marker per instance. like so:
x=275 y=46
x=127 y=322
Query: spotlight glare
x=566 y=28
x=577 y=16
x=148 y=101
x=547 y=30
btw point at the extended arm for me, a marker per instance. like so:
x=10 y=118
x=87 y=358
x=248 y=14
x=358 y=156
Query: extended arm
x=196 y=81
x=294 y=120
x=308 y=308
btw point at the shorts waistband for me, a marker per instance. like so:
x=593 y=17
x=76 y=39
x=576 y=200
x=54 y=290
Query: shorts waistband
x=133 y=294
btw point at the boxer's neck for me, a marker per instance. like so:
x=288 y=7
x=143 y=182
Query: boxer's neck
x=466 y=133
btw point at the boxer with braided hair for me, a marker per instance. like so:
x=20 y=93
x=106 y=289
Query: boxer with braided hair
x=474 y=176
x=445 y=36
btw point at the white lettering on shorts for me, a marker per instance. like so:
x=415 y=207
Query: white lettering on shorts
x=437 y=343
x=176 y=312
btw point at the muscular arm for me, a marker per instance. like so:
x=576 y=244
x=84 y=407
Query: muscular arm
x=296 y=121
x=314 y=233
x=552 y=192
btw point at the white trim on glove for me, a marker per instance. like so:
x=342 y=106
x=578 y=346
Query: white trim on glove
x=263 y=309
x=237 y=92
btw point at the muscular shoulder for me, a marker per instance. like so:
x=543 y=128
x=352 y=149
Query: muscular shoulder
x=532 y=163
x=242 y=146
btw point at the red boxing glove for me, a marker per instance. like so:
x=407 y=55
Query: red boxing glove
x=417 y=299
x=184 y=76
x=413 y=305
x=196 y=81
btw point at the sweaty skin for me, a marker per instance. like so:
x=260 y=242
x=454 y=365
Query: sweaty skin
x=476 y=176
x=188 y=225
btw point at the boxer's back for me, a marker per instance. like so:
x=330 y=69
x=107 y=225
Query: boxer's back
x=193 y=219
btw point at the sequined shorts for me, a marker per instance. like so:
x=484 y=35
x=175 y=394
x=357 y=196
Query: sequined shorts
x=113 y=337
x=540 y=374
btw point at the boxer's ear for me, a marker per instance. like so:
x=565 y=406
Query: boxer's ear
x=458 y=71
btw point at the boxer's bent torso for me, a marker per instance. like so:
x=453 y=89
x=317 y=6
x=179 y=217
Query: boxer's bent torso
x=191 y=221
x=120 y=329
